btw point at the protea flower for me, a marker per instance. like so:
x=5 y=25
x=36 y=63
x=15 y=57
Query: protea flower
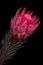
x=23 y=24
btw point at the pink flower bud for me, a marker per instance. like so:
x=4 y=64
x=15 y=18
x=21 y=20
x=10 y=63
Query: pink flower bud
x=23 y=24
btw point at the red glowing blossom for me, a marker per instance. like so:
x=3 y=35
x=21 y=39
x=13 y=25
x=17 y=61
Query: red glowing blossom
x=23 y=24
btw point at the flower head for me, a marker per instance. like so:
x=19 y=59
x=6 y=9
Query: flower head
x=23 y=24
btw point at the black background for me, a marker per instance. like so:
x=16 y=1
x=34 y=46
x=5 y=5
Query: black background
x=7 y=11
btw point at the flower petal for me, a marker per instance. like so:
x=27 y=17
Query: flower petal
x=23 y=11
x=33 y=18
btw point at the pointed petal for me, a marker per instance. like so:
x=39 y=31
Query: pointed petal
x=36 y=20
x=37 y=24
x=23 y=11
x=33 y=18
x=28 y=12
x=17 y=15
x=31 y=13
x=18 y=11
